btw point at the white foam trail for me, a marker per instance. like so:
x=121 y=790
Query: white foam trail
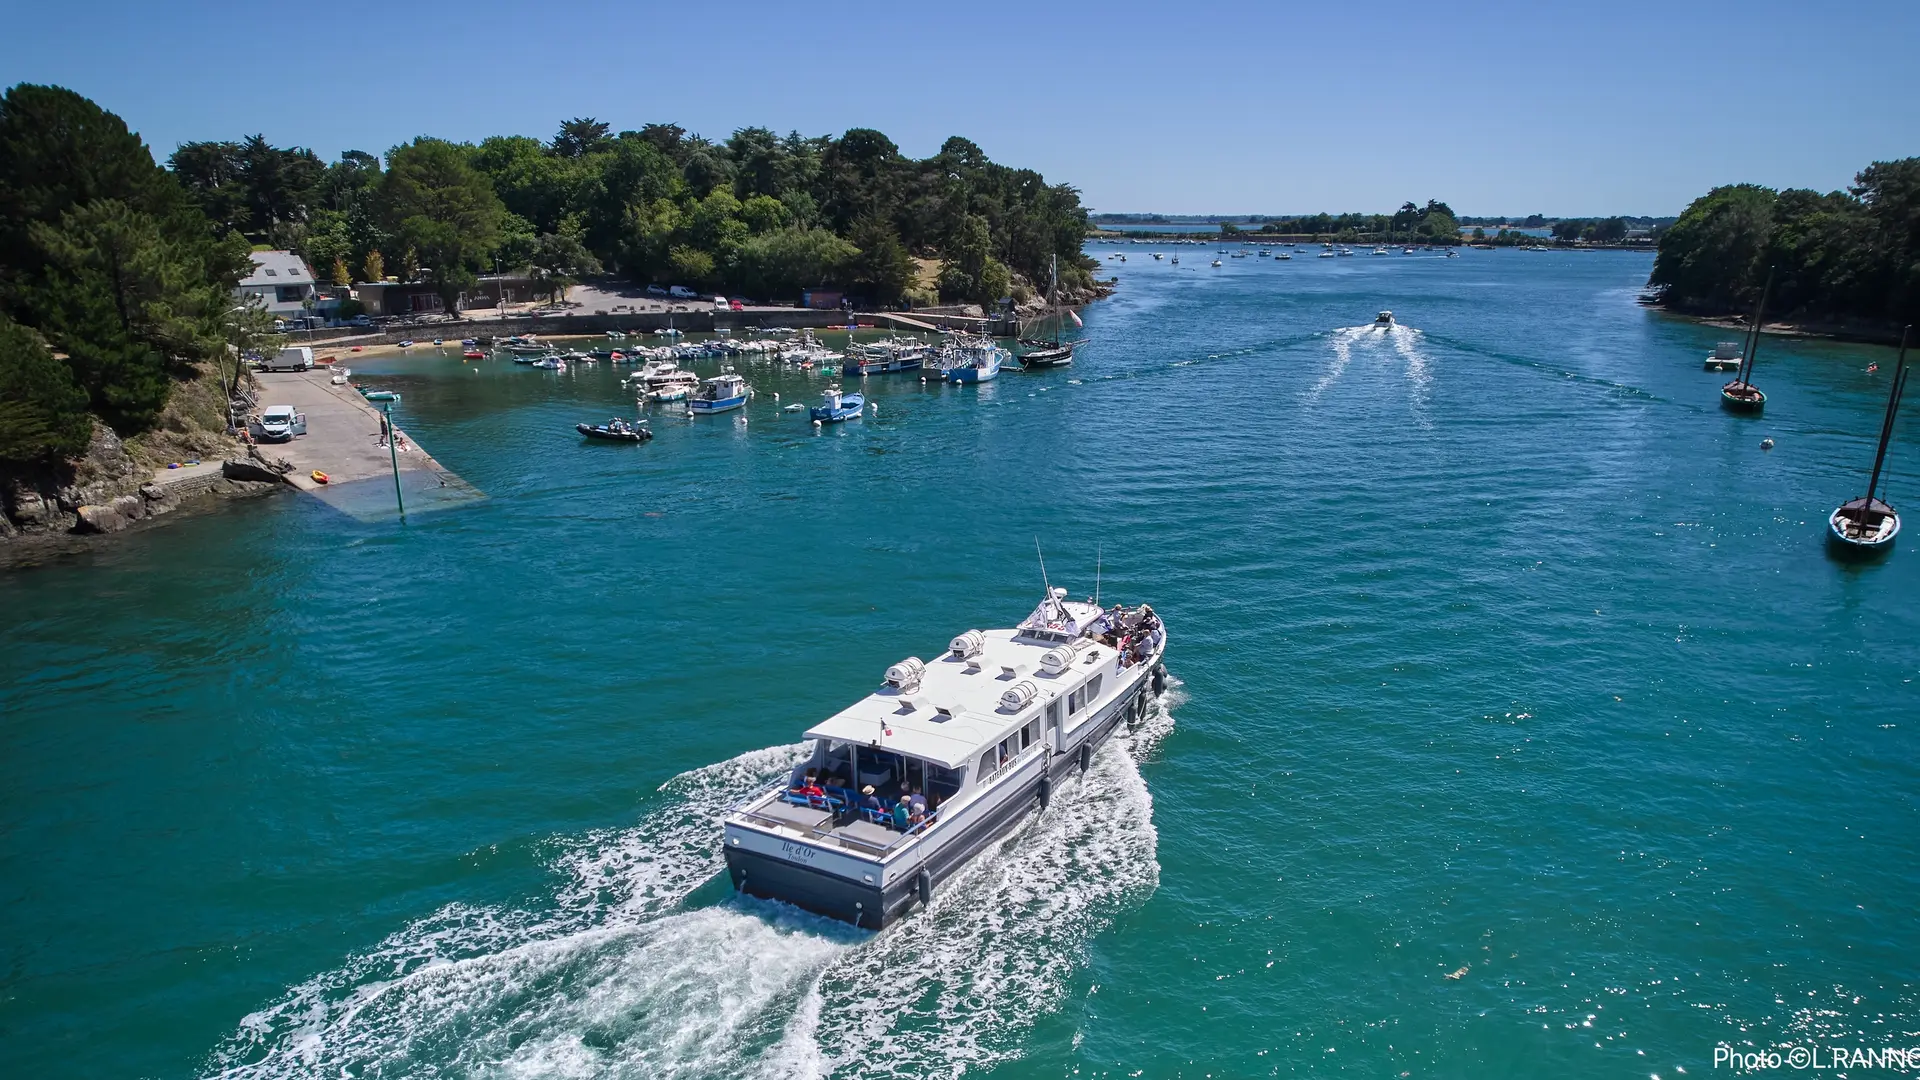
x=643 y=869
x=366 y=1007
x=1342 y=342
x=1405 y=341
x=618 y=980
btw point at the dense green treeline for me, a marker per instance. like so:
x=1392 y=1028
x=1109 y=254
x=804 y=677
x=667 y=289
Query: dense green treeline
x=1433 y=223
x=112 y=282
x=117 y=276
x=758 y=214
x=1844 y=255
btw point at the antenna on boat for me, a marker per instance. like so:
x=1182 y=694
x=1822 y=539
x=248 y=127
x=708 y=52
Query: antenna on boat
x=1098 y=551
x=1044 y=583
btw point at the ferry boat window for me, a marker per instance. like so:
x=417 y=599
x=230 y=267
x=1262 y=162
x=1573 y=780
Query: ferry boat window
x=1029 y=734
x=1093 y=688
x=986 y=764
x=1053 y=711
x=944 y=783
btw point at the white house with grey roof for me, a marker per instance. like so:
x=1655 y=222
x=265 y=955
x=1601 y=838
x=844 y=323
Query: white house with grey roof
x=282 y=282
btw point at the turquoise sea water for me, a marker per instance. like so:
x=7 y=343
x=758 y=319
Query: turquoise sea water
x=1522 y=727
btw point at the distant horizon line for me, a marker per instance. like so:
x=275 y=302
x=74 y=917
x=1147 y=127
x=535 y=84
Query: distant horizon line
x=1237 y=218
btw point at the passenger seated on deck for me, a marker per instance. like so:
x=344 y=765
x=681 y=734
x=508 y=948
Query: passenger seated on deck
x=916 y=800
x=902 y=814
x=810 y=789
x=872 y=801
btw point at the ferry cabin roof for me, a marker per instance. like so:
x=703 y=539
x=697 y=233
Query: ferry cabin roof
x=986 y=687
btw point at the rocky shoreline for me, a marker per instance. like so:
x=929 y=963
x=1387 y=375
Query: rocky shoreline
x=1862 y=331
x=55 y=510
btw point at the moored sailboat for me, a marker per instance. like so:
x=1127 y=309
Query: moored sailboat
x=1051 y=352
x=1741 y=395
x=1868 y=524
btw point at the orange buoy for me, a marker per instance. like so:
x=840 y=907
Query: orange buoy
x=318 y=476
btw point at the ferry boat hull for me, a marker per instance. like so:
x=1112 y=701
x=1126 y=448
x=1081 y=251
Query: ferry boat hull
x=825 y=882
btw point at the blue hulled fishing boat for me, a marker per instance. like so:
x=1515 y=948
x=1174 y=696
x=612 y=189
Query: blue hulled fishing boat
x=723 y=392
x=836 y=406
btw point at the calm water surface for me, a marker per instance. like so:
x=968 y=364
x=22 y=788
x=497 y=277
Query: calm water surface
x=1522 y=725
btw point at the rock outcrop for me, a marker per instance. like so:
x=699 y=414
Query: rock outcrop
x=50 y=498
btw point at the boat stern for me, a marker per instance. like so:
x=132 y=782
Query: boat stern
x=771 y=862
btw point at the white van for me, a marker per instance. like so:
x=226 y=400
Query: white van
x=719 y=303
x=279 y=423
x=681 y=292
x=297 y=358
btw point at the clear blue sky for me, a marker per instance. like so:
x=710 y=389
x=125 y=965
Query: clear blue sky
x=1624 y=107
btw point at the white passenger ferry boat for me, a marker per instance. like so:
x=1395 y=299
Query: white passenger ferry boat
x=979 y=737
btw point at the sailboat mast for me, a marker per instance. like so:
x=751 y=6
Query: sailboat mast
x=1886 y=423
x=1759 y=315
x=1053 y=285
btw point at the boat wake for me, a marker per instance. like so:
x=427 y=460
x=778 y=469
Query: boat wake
x=1405 y=343
x=622 y=977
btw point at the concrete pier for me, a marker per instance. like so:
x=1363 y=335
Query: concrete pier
x=344 y=441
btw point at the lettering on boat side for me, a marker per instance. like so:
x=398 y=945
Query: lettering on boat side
x=796 y=852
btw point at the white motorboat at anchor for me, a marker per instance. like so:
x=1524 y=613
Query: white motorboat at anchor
x=905 y=786
x=664 y=380
x=1726 y=356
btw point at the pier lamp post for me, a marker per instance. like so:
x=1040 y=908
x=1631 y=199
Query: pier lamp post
x=393 y=455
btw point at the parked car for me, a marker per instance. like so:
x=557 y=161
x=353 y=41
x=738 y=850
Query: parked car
x=720 y=303
x=656 y=290
x=738 y=306
x=681 y=292
x=279 y=423
x=359 y=320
